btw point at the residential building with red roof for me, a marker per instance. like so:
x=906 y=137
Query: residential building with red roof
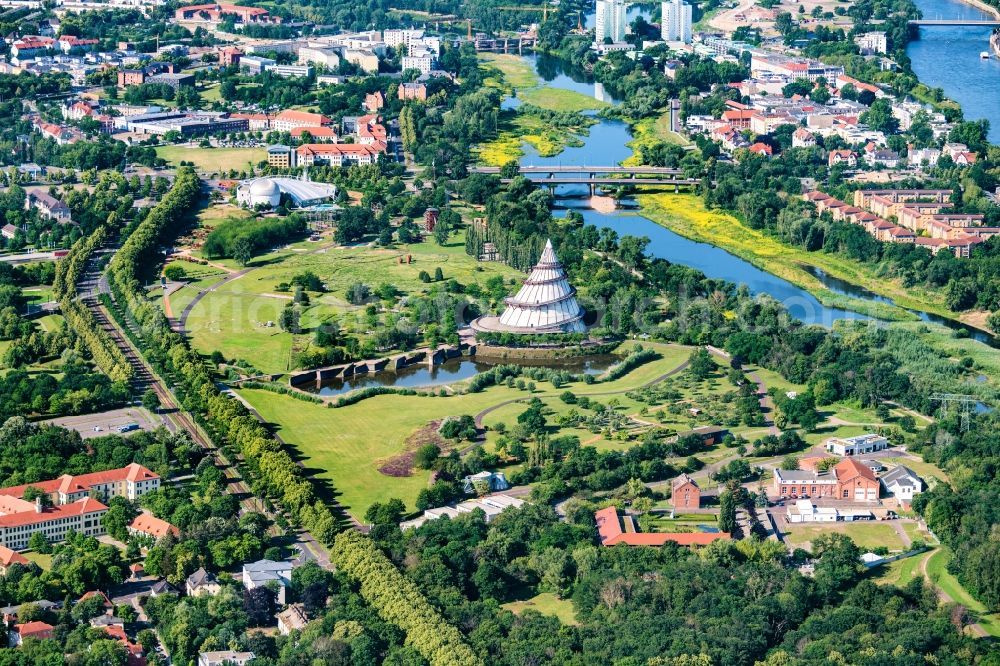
x=149 y=525
x=214 y=13
x=31 y=46
x=685 y=493
x=848 y=157
x=9 y=558
x=83 y=516
x=611 y=533
x=288 y=120
x=68 y=43
x=339 y=154
x=29 y=630
x=847 y=480
x=131 y=482
x=761 y=149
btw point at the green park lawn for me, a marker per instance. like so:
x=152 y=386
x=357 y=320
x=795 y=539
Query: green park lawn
x=517 y=72
x=41 y=559
x=937 y=570
x=233 y=319
x=560 y=100
x=867 y=535
x=900 y=572
x=211 y=216
x=213 y=159
x=348 y=444
x=546 y=603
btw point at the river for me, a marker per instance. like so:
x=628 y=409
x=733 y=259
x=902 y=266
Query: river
x=606 y=145
x=948 y=58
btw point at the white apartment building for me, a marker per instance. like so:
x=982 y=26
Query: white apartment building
x=872 y=42
x=424 y=64
x=676 y=22
x=19 y=519
x=611 y=21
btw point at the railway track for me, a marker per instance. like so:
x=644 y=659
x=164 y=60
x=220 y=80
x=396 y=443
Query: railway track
x=174 y=416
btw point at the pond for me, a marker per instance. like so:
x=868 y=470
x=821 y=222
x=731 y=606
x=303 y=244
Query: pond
x=454 y=370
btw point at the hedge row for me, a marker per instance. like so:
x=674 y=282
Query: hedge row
x=397 y=600
x=103 y=350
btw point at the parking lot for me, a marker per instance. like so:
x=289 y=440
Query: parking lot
x=103 y=423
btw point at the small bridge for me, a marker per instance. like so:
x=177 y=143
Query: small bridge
x=591 y=171
x=927 y=23
x=595 y=182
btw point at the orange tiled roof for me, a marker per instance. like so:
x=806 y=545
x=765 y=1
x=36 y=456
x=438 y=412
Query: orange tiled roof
x=150 y=524
x=609 y=529
x=9 y=557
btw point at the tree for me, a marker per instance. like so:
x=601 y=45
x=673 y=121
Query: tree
x=700 y=363
x=174 y=273
x=151 y=401
x=390 y=512
x=879 y=117
x=258 y=604
x=727 y=513
x=426 y=456
x=242 y=250
x=289 y=319
x=839 y=563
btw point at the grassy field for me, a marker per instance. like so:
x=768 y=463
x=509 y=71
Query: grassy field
x=212 y=159
x=211 y=216
x=233 y=318
x=867 y=535
x=517 y=72
x=347 y=445
x=211 y=94
x=546 y=603
x=900 y=572
x=687 y=215
x=938 y=572
x=42 y=560
x=557 y=99
x=652 y=130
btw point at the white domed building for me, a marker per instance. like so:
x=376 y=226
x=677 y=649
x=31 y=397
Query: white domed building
x=262 y=191
x=268 y=191
x=546 y=303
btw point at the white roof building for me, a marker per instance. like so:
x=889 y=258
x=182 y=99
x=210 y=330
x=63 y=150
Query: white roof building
x=902 y=483
x=268 y=192
x=492 y=506
x=262 y=572
x=546 y=303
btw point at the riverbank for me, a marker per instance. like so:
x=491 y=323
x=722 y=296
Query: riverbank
x=687 y=216
x=982 y=6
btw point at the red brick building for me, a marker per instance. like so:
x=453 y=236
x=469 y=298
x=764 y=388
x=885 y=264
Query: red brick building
x=847 y=480
x=685 y=493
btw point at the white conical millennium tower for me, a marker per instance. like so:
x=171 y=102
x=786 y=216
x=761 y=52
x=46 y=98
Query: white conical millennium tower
x=546 y=303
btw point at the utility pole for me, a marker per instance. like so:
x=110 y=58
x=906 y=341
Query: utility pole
x=965 y=403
